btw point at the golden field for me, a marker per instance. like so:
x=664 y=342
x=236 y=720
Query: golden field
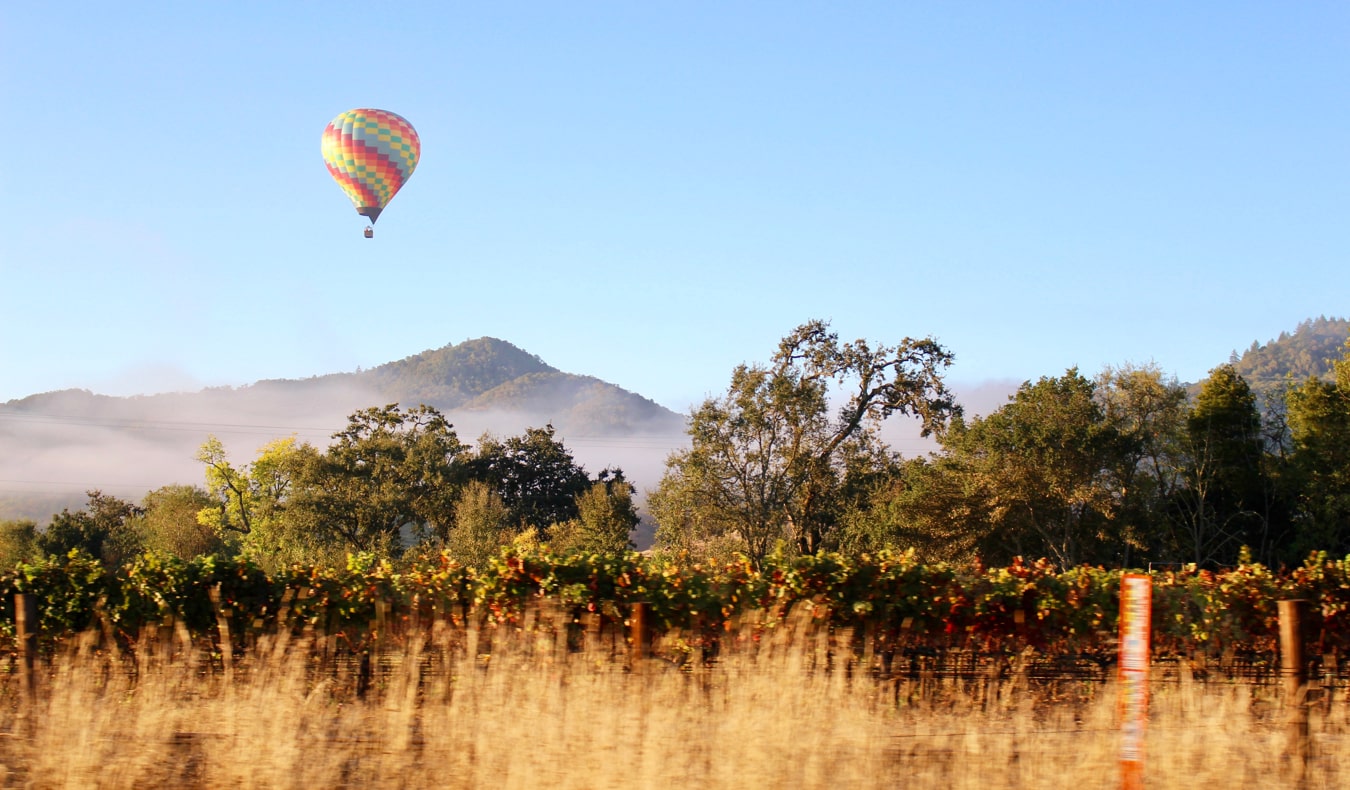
x=169 y=715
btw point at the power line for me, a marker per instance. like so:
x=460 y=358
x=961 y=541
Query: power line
x=159 y=425
x=633 y=440
x=636 y=441
x=62 y=486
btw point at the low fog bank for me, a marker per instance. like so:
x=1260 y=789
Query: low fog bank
x=55 y=447
x=977 y=398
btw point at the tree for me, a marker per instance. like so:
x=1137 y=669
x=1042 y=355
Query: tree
x=18 y=542
x=1319 y=464
x=686 y=522
x=482 y=524
x=605 y=519
x=534 y=474
x=768 y=458
x=921 y=504
x=253 y=505
x=1036 y=471
x=1148 y=412
x=1226 y=501
x=168 y=522
x=105 y=529
x=1071 y=469
x=388 y=471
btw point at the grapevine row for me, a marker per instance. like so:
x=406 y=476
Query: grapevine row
x=1026 y=604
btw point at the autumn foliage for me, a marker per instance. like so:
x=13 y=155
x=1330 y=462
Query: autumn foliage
x=904 y=603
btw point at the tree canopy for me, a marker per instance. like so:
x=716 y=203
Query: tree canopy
x=768 y=457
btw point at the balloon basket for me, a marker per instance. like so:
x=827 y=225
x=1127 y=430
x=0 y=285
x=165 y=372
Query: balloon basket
x=370 y=233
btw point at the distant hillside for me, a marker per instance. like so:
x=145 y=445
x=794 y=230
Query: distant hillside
x=59 y=444
x=478 y=377
x=452 y=376
x=1307 y=352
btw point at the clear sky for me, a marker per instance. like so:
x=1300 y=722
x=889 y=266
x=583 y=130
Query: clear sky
x=654 y=192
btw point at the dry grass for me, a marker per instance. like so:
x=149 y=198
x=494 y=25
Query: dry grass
x=526 y=719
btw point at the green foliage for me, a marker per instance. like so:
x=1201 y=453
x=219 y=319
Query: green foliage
x=606 y=516
x=533 y=474
x=1227 y=500
x=251 y=505
x=1120 y=471
x=69 y=589
x=169 y=524
x=482 y=525
x=105 y=528
x=1034 y=473
x=388 y=471
x=909 y=604
x=1148 y=411
x=252 y=498
x=18 y=542
x=923 y=506
x=768 y=460
x=1319 y=464
x=785 y=466
x=1309 y=352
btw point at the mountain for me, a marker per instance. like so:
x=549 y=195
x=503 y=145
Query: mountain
x=479 y=377
x=454 y=375
x=59 y=444
x=1306 y=353
x=487 y=376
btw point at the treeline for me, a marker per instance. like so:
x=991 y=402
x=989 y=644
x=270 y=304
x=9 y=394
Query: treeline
x=1304 y=353
x=1123 y=469
x=394 y=483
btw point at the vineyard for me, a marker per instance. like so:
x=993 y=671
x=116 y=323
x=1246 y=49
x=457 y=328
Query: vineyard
x=622 y=671
x=881 y=607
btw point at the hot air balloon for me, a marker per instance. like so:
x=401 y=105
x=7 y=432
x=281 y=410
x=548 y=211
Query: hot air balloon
x=371 y=154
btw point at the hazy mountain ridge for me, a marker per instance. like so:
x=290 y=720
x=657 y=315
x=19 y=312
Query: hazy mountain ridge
x=480 y=376
x=1306 y=353
x=59 y=444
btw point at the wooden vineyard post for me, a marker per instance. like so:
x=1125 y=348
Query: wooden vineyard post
x=638 y=642
x=374 y=648
x=593 y=625
x=560 y=618
x=223 y=625
x=26 y=629
x=1136 y=614
x=1294 y=673
x=473 y=623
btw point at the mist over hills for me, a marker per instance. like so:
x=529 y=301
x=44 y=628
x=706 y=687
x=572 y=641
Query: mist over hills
x=57 y=445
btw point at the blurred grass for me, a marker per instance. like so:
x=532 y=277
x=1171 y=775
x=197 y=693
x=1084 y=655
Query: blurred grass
x=526 y=717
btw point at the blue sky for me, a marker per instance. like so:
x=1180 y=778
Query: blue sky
x=654 y=192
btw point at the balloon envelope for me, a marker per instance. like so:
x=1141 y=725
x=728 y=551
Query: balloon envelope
x=371 y=154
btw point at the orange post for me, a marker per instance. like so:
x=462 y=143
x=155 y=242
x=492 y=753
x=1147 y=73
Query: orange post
x=1136 y=613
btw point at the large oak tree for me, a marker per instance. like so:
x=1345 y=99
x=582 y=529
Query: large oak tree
x=768 y=458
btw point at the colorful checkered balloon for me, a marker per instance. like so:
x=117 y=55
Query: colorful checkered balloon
x=371 y=154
